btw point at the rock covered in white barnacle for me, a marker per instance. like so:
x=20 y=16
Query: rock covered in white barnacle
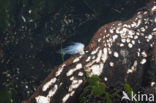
x=118 y=52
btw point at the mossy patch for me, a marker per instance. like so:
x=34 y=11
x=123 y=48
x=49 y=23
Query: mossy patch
x=5 y=96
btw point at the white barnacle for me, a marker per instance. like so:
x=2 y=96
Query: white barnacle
x=79 y=66
x=71 y=71
x=133 y=24
x=76 y=60
x=143 y=61
x=65 y=98
x=144 y=54
x=60 y=70
x=104 y=55
x=123 y=33
x=99 y=39
x=93 y=57
x=128 y=40
x=111 y=64
x=123 y=40
x=95 y=51
x=88 y=59
x=115 y=37
x=152 y=84
x=111 y=31
x=149 y=37
x=42 y=99
x=142 y=29
x=23 y=18
x=130 y=45
x=135 y=37
x=72 y=78
x=53 y=91
x=154 y=29
x=133 y=68
x=121 y=45
x=96 y=69
x=74 y=49
x=116 y=54
x=138 y=23
x=48 y=84
x=99 y=56
x=80 y=74
x=153 y=9
x=105 y=78
x=75 y=84
x=133 y=42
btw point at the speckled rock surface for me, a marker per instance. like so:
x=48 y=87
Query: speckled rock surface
x=119 y=52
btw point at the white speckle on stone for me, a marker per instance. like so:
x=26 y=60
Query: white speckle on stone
x=152 y=84
x=60 y=70
x=116 y=54
x=138 y=23
x=48 y=84
x=130 y=45
x=96 y=69
x=30 y=11
x=153 y=9
x=104 y=55
x=79 y=66
x=142 y=29
x=80 y=74
x=138 y=53
x=88 y=59
x=123 y=40
x=154 y=29
x=143 y=61
x=42 y=99
x=75 y=84
x=115 y=37
x=128 y=40
x=105 y=78
x=23 y=18
x=53 y=91
x=65 y=98
x=139 y=41
x=99 y=56
x=76 y=60
x=133 y=68
x=149 y=37
x=99 y=39
x=72 y=78
x=135 y=37
x=133 y=24
x=72 y=93
x=71 y=71
x=95 y=51
x=109 y=51
x=111 y=31
x=133 y=42
x=144 y=54
x=26 y=86
x=111 y=64
x=93 y=57
x=145 y=12
x=121 y=45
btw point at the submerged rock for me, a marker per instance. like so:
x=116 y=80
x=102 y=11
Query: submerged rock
x=119 y=52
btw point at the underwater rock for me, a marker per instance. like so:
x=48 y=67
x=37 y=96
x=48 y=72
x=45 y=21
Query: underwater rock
x=118 y=53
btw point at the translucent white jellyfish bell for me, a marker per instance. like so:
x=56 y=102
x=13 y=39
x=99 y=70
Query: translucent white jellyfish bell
x=75 y=48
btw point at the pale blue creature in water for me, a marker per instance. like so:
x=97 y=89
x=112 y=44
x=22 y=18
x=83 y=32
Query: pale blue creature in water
x=75 y=48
